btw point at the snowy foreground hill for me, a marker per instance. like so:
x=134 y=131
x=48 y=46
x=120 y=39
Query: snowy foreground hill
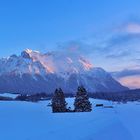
x=34 y=121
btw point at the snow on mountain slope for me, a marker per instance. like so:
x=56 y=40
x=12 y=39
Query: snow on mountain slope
x=33 y=72
x=35 y=62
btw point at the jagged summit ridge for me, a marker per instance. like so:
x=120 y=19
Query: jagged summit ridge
x=30 y=61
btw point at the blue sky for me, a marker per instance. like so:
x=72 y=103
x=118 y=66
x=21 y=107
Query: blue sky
x=107 y=31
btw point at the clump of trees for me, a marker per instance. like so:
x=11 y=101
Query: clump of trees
x=81 y=103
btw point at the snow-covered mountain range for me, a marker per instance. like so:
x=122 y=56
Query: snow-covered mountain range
x=34 y=72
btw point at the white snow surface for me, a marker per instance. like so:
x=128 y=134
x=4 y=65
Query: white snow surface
x=35 y=121
x=9 y=95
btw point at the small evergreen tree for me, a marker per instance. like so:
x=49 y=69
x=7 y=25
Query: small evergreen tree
x=82 y=103
x=58 y=101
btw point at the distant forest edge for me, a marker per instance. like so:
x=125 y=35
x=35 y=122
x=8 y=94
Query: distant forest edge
x=125 y=96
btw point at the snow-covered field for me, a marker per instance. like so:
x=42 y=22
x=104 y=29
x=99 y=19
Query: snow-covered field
x=8 y=95
x=34 y=121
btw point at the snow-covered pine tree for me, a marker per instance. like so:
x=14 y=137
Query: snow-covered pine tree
x=82 y=103
x=58 y=101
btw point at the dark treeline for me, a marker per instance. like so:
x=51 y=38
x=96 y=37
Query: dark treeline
x=34 y=97
x=6 y=98
x=130 y=95
x=38 y=97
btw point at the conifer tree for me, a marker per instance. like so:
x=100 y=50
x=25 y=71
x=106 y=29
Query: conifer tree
x=82 y=103
x=58 y=101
